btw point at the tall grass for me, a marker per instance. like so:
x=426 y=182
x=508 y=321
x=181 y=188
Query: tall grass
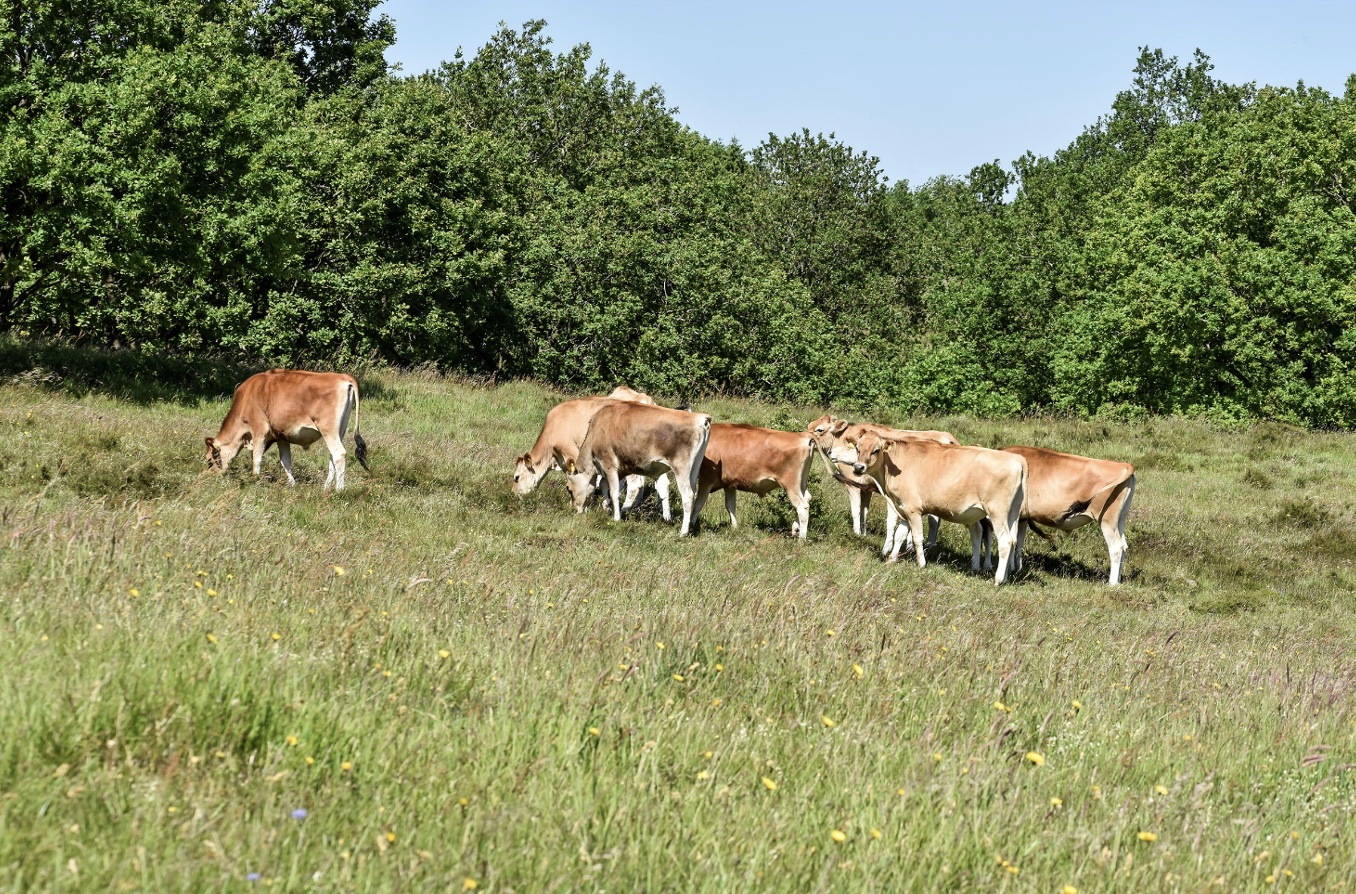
x=461 y=688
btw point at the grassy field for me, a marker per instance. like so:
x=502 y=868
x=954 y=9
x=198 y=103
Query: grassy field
x=464 y=690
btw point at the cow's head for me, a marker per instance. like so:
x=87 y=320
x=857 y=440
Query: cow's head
x=527 y=475
x=580 y=483
x=825 y=430
x=868 y=453
x=220 y=453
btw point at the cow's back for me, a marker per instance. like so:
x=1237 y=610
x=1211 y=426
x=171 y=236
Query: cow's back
x=1057 y=480
x=748 y=453
x=637 y=433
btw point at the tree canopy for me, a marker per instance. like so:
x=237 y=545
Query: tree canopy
x=248 y=176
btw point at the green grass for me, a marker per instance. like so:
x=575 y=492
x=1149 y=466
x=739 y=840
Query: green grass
x=500 y=690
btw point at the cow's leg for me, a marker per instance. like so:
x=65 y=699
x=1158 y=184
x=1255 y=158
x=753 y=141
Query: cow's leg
x=338 y=460
x=891 y=531
x=699 y=503
x=731 y=500
x=1113 y=528
x=614 y=488
x=800 y=499
x=661 y=487
x=686 y=479
x=855 y=496
x=285 y=454
x=976 y=545
x=635 y=486
x=259 y=448
x=1006 y=538
x=934 y=527
x=902 y=536
x=1020 y=546
x=915 y=521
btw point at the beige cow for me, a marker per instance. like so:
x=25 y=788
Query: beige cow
x=959 y=484
x=286 y=407
x=1067 y=491
x=757 y=460
x=635 y=439
x=562 y=434
x=826 y=432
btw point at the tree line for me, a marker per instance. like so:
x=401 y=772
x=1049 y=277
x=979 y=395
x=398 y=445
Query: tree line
x=249 y=176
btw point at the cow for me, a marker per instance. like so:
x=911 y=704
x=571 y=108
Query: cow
x=561 y=435
x=959 y=484
x=638 y=439
x=826 y=431
x=757 y=460
x=290 y=406
x=1067 y=491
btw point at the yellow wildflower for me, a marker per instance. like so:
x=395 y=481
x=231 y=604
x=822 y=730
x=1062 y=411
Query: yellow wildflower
x=390 y=836
x=678 y=678
x=346 y=766
x=594 y=731
x=1147 y=837
x=292 y=740
x=769 y=784
x=828 y=721
x=276 y=636
x=1068 y=889
x=1056 y=802
x=134 y=591
x=469 y=884
x=857 y=671
x=838 y=835
x=1036 y=758
x=1077 y=705
x=875 y=833
x=1162 y=790
x=443 y=653
x=339 y=570
x=211 y=638
x=999 y=706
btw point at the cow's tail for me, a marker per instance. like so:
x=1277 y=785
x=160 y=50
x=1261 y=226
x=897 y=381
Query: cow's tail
x=359 y=445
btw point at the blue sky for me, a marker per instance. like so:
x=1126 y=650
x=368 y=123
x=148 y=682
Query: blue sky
x=930 y=88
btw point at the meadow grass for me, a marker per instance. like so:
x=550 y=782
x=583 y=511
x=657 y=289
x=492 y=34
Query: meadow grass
x=464 y=689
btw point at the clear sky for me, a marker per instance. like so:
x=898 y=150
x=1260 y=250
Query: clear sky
x=930 y=88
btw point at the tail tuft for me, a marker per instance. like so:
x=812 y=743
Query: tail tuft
x=360 y=450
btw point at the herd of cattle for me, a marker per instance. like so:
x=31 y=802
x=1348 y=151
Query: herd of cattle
x=999 y=495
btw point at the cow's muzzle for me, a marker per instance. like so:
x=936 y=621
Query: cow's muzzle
x=859 y=468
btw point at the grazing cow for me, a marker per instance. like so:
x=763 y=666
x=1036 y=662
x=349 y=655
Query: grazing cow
x=636 y=439
x=748 y=458
x=561 y=436
x=826 y=432
x=960 y=484
x=290 y=406
x=1067 y=491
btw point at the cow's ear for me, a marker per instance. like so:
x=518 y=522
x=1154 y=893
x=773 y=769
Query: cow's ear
x=525 y=459
x=839 y=427
x=211 y=443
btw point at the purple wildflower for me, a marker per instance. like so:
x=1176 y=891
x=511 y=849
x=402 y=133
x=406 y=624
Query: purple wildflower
x=299 y=813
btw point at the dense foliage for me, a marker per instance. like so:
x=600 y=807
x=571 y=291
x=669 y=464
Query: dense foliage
x=247 y=176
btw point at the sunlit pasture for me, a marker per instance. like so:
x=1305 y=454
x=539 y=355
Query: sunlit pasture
x=425 y=683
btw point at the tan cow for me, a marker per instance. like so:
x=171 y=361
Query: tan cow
x=561 y=436
x=290 y=406
x=826 y=432
x=757 y=460
x=1067 y=491
x=635 y=439
x=959 y=484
